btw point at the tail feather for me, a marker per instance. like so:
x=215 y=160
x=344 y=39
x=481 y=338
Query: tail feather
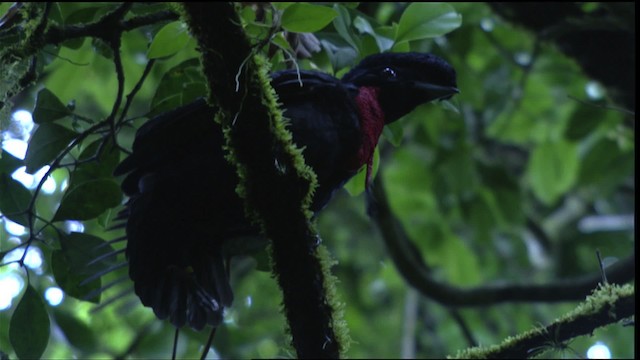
x=179 y=295
x=178 y=305
x=178 y=219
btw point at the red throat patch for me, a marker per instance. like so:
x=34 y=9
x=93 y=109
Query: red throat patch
x=371 y=124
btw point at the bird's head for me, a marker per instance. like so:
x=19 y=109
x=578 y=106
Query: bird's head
x=404 y=80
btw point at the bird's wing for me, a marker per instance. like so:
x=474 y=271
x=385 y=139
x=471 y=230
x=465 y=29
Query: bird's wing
x=182 y=206
x=165 y=137
x=323 y=120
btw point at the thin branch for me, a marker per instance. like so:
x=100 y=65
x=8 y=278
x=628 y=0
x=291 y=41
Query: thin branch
x=416 y=273
x=117 y=61
x=109 y=28
x=603 y=106
x=462 y=324
x=603 y=273
x=134 y=91
x=55 y=164
x=176 y=336
x=207 y=346
x=607 y=305
x=104 y=28
x=42 y=25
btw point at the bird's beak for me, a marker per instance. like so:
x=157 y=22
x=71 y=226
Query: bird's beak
x=435 y=92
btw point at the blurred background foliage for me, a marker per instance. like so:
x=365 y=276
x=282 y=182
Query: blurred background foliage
x=528 y=173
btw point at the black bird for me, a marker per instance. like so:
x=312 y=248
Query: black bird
x=183 y=211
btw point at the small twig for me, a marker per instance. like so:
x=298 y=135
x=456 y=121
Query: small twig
x=134 y=91
x=462 y=324
x=57 y=56
x=604 y=274
x=47 y=223
x=175 y=344
x=55 y=164
x=117 y=61
x=207 y=346
x=10 y=250
x=602 y=106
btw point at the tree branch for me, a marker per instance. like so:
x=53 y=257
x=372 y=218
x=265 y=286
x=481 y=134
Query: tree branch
x=106 y=27
x=276 y=196
x=412 y=267
x=112 y=25
x=608 y=305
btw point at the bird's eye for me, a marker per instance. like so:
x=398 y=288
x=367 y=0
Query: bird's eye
x=388 y=73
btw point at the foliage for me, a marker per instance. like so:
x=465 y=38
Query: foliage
x=521 y=183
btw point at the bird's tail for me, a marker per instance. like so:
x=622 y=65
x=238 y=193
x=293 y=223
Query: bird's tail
x=193 y=295
x=177 y=268
x=175 y=176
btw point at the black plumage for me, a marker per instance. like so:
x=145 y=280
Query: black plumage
x=183 y=210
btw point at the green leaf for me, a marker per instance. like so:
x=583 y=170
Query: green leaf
x=78 y=334
x=263 y=261
x=107 y=217
x=584 y=120
x=281 y=5
x=248 y=15
x=356 y=185
x=88 y=198
x=14 y=200
x=457 y=171
x=48 y=107
x=29 y=326
x=180 y=85
x=69 y=280
x=409 y=178
x=92 y=189
x=80 y=16
x=142 y=8
x=459 y=261
x=102 y=165
x=483 y=214
x=47 y=142
x=427 y=20
x=384 y=43
x=72 y=264
x=172 y=38
x=504 y=190
x=394 y=133
x=81 y=249
x=606 y=165
x=340 y=57
x=553 y=169
x=342 y=23
x=304 y=17
x=9 y=163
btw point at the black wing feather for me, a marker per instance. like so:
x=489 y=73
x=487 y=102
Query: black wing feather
x=183 y=206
